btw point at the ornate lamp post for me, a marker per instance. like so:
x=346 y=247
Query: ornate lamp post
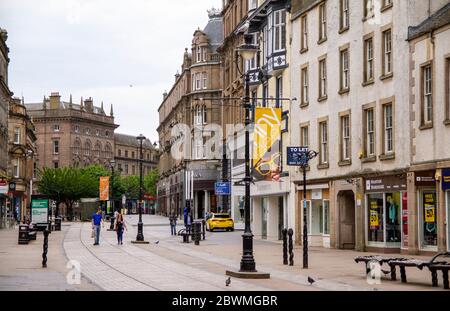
x=140 y=234
x=305 y=156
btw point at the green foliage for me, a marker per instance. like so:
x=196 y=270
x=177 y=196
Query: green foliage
x=150 y=182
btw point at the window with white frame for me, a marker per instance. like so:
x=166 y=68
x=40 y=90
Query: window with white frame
x=204 y=80
x=323 y=138
x=17 y=135
x=304 y=136
x=252 y=4
x=304 y=31
x=77 y=129
x=345 y=138
x=427 y=85
x=305 y=86
x=56 y=147
x=369 y=8
x=370 y=132
x=280 y=30
x=199 y=54
x=193 y=81
x=388 y=123
x=198 y=81
x=55 y=127
x=387 y=52
x=345 y=70
x=322 y=78
x=344 y=15
x=323 y=22
x=368 y=60
x=16 y=168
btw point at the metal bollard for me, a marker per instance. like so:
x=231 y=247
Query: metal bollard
x=285 y=250
x=291 y=247
x=196 y=235
x=44 y=254
x=204 y=229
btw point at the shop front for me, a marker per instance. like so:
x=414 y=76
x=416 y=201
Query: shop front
x=427 y=210
x=446 y=189
x=269 y=209
x=387 y=213
x=317 y=214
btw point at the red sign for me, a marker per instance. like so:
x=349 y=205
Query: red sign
x=149 y=197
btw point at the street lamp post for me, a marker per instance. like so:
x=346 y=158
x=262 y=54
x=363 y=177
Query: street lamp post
x=112 y=164
x=305 y=158
x=140 y=233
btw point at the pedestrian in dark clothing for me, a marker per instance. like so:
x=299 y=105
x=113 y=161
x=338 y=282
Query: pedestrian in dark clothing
x=119 y=226
x=173 y=224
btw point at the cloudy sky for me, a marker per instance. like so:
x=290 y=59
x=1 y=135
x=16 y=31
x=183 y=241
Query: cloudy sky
x=121 y=52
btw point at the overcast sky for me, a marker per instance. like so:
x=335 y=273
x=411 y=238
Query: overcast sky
x=121 y=52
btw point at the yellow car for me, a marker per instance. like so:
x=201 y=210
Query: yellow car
x=219 y=221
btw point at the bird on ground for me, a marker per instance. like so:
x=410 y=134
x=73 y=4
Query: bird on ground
x=311 y=280
x=228 y=281
x=157 y=242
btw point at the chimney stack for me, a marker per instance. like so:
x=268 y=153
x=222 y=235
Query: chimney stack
x=55 y=100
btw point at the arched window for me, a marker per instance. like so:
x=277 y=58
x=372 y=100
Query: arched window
x=108 y=150
x=204 y=113
x=97 y=149
x=77 y=146
x=87 y=148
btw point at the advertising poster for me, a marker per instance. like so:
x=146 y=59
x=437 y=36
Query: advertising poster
x=104 y=188
x=266 y=144
x=430 y=215
x=39 y=211
x=374 y=217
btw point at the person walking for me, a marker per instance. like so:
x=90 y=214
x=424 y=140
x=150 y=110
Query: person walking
x=173 y=224
x=97 y=221
x=119 y=226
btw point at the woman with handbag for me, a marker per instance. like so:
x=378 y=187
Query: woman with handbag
x=119 y=226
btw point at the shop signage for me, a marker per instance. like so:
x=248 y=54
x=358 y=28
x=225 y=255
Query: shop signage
x=3 y=186
x=425 y=179
x=446 y=179
x=385 y=184
x=222 y=188
x=297 y=156
x=39 y=211
x=316 y=194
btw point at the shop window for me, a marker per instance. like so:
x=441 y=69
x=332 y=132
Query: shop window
x=429 y=219
x=375 y=218
x=326 y=217
x=384 y=217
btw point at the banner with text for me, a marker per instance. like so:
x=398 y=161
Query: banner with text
x=104 y=188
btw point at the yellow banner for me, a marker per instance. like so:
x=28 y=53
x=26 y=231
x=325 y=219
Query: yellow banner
x=430 y=215
x=266 y=140
x=104 y=188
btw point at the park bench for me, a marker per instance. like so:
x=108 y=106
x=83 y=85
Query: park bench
x=378 y=259
x=183 y=232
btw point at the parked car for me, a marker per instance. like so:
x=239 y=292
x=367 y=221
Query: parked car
x=219 y=221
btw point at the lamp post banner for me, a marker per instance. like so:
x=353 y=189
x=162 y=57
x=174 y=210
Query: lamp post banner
x=266 y=146
x=104 y=188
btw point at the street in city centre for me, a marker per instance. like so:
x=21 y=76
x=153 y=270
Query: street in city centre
x=171 y=265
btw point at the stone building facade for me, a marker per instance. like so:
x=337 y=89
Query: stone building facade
x=235 y=13
x=5 y=98
x=191 y=102
x=22 y=152
x=72 y=135
x=429 y=174
x=126 y=155
x=348 y=67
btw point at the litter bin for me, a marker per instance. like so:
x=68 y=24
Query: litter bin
x=197 y=230
x=58 y=221
x=111 y=227
x=23 y=234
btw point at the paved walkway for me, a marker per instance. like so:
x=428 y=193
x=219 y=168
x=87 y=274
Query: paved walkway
x=332 y=269
x=21 y=265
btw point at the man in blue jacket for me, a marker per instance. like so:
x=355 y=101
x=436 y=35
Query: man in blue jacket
x=96 y=223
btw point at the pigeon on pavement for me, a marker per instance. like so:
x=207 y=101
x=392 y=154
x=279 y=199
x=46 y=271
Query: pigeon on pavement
x=228 y=281
x=311 y=280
